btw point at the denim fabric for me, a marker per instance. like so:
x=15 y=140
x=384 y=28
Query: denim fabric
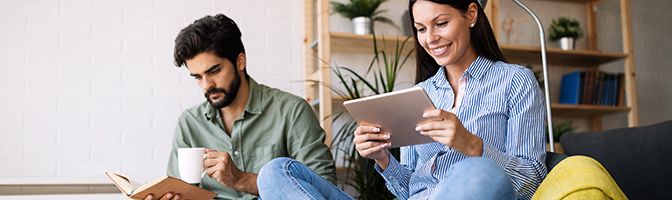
x=475 y=178
x=471 y=178
x=285 y=178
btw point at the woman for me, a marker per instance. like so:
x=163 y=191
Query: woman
x=488 y=126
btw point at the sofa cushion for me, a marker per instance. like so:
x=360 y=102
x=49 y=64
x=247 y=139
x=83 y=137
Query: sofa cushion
x=578 y=177
x=639 y=159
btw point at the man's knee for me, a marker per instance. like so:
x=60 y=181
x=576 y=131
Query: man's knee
x=273 y=168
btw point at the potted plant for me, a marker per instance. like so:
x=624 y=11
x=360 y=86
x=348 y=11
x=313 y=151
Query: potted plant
x=362 y=13
x=384 y=68
x=565 y=31
x=558 y=130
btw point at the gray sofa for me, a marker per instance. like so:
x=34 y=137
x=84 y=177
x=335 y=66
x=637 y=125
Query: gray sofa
x=639 y=159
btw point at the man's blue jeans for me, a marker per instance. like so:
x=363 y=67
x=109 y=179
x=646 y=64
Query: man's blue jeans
x=472 y=178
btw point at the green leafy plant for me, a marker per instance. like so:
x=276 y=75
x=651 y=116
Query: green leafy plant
x=362 y=8
x=384 y=68
x=565 y=27
x=560 y=129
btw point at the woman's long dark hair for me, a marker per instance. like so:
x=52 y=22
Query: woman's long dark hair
x=482 y=39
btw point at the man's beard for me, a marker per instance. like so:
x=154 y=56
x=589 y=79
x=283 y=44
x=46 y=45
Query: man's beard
x=228 y=96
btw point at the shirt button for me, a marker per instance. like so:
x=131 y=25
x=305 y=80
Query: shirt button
x=235 y=153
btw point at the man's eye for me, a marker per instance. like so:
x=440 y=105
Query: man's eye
x=197 y=77
x=214 y=71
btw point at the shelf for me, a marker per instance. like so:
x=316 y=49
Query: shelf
x=567 y=110
x=350 y=42
x=575 y=58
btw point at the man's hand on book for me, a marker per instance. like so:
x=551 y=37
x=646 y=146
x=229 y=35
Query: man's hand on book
x=167 y=196
x=221 y=167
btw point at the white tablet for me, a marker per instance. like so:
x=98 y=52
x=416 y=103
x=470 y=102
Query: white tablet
x=397 y=112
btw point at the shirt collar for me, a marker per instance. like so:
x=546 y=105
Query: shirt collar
x=252 y=106
x=254 y=100
x=479 y=67
x=476 y=70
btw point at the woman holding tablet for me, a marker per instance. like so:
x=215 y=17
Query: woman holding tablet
x=490 y=115
x=488 y=125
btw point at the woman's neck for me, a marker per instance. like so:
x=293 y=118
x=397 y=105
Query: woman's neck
x=454 y=71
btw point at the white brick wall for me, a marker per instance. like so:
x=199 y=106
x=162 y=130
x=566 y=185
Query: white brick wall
x=89 y=85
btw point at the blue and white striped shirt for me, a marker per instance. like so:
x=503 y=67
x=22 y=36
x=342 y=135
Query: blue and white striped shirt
x=503 y=106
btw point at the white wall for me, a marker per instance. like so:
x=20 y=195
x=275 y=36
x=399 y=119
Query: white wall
x=89 y=85
x=653 y=47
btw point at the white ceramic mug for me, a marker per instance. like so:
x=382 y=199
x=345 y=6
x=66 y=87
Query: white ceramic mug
x=190 y=164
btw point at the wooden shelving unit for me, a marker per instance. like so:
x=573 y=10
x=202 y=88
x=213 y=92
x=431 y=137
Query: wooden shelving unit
x=585 y=110
x=320 y=43
x=577 y=58
x=591 y=57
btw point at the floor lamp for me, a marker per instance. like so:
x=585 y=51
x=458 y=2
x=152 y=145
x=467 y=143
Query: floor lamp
x=547 y=95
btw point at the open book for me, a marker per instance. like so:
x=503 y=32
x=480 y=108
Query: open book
x=159 y=187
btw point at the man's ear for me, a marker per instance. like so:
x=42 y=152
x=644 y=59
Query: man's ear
x=241 y=61
x=472 y=13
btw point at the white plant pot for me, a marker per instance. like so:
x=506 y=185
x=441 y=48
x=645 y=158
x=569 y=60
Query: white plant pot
x=361 y=25
x=567 y=43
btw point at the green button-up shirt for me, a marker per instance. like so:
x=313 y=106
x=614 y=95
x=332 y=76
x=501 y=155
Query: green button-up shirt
x=274 y=124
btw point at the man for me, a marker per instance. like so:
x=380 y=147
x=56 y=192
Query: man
x=243 y=124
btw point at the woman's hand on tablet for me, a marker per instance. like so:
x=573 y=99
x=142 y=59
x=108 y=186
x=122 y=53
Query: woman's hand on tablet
x=372 y=144
x=446 y=128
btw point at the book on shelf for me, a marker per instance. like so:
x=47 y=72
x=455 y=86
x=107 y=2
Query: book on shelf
x=570 y=89
x=587 y=88
x=592 y=87
x=159 y=187
x=599 y=87
x=620 y=97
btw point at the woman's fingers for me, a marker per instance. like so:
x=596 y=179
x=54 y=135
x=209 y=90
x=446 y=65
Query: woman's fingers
x=438 y=115
x=370 y=137
x=366 y=129
x=440 y=136
x=432 y=113
x=437 y=134
x=370 y=144
x=369 y=148
x=435 y=125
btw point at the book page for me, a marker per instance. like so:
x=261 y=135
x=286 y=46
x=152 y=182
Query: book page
x=124 y=184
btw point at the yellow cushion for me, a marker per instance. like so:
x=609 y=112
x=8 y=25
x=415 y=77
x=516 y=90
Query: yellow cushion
x=579 y=177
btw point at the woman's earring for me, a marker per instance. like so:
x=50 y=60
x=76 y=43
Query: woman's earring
x=472 y=25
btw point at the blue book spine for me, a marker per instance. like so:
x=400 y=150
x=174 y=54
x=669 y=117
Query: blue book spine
x=614 y=90
x=607 y=90
x=570 y=88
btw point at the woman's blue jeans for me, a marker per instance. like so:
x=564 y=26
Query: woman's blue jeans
x=472 y=178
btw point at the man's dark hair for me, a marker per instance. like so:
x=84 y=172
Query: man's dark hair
x=218 y=34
